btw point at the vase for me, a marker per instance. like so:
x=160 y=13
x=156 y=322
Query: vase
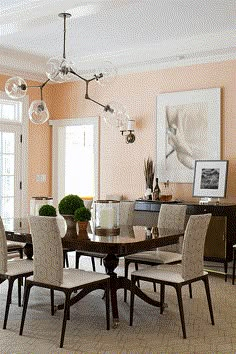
x=71 y=226
x=83 y=225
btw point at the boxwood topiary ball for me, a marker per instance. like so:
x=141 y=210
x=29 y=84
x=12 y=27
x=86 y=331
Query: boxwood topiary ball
x=69 y=204
x=47 y=210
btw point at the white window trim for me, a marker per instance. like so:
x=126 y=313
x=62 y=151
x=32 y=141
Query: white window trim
x=66 y=122
x=24 y=149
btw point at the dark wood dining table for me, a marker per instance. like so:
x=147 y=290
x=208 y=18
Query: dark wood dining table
x=131 y=239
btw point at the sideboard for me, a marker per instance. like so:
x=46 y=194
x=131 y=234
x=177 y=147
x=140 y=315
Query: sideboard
x=221 y=233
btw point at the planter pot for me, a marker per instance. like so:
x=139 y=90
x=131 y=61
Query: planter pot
x=83 y=225
x=71 y=226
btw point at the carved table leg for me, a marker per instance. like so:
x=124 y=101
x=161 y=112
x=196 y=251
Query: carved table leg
x=110 y=263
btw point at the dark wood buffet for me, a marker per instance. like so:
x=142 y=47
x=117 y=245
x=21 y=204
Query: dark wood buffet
x=221 y=234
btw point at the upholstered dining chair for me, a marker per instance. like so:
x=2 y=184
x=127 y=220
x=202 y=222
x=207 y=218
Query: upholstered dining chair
x=190 y=270
x=126 y=218
x=11 y=270
x=171 y=216
x=15 y=247
x=49 y=272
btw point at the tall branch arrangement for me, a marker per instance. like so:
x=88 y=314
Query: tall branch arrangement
x=149 y=171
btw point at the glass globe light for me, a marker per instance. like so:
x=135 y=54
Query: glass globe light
x=114 y=114
x=38 y=112
x=16 y=87
x=105 y=73
x=58 y=69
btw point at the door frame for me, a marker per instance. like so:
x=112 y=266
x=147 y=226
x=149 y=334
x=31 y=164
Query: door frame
x=69 y=122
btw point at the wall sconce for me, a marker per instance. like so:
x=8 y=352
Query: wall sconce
x=128 y=131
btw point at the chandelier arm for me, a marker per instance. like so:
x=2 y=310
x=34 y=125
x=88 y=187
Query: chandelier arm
x=64 y=41
x=80 y=77
x=45 y=83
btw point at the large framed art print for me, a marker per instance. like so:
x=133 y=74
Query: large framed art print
x=187 y=129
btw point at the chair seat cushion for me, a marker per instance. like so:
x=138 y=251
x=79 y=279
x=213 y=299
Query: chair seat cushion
x=156 y=257
x=12 y=245
x=19 y=266
x=165 y=272
x=76 y=277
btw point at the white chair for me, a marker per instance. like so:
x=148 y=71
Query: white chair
x=171 y=216
x=11 y=270
x=178 y=275
x=15 y=247
x=49 y=272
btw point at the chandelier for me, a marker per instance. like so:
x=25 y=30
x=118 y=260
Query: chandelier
x=61 y=70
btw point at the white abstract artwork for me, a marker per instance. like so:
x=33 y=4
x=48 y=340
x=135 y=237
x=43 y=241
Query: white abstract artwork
x=188 y=129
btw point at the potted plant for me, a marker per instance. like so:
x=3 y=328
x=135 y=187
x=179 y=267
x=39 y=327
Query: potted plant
x=82 y=216
x=47 y=210
x=67 y=207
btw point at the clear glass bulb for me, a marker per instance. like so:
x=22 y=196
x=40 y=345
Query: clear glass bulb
x=38 y=112
x=58 y=69
x=115 y=114
x=16 y=87
x=105 y=73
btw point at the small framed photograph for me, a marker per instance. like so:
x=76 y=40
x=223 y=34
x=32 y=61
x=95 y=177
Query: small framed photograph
x=210 y=178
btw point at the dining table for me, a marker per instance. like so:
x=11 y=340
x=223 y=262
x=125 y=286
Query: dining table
x=131 y=239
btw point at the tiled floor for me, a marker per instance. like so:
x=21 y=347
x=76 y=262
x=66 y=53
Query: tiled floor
x=151 y=332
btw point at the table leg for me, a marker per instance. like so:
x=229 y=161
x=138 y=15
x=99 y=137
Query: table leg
x=28 y=250
x=110 y=263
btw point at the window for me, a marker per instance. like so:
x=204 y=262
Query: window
x=13 y=157
x=75 y=157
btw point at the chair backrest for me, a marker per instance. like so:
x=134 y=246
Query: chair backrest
x=126 y=212
x=48 y=253
x=3 y=249
x=172 y=216
x=193 y=246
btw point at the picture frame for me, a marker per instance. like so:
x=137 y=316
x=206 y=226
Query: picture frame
x=210 y=178
x=187 y=129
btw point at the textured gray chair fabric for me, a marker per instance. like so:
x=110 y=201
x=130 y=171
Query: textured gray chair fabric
x=190 y=270
x=11 y=270
x=49 y=271
x=172 y=217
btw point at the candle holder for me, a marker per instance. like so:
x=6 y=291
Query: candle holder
x=107 y=217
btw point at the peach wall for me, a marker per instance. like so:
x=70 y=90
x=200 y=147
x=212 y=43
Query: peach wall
x=121 y=164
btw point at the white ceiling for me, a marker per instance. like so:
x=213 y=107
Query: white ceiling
x=133 y=34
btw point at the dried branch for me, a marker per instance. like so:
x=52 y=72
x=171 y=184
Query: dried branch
x=149 y=171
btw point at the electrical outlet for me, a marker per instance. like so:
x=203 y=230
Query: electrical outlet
x=41 y=178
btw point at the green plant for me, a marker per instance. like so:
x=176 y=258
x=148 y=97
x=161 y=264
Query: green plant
x=82 y=214
x=69 y=204
x=47 y=210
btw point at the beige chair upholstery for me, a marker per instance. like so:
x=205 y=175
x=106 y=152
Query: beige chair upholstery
x=172 y=217
x=49 y=272
x=15 y=247
x=190 y=270
x=11 y=270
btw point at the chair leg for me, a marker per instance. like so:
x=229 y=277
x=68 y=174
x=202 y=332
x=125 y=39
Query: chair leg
x=181 y=309
x=93 y=264
x=206 y=282
x=234 y=264
x=136 y=268
x=77 y=257
x=126 y=276
x=162 y=297
x=133 y=280
x=190 y=291
x=106 y=293
x=66 y=312
x=25 y=304
x=9 y=294
x=52 y=301
x=66 y=259
x=20 y=282
x=154 y=287
x=21 y=253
